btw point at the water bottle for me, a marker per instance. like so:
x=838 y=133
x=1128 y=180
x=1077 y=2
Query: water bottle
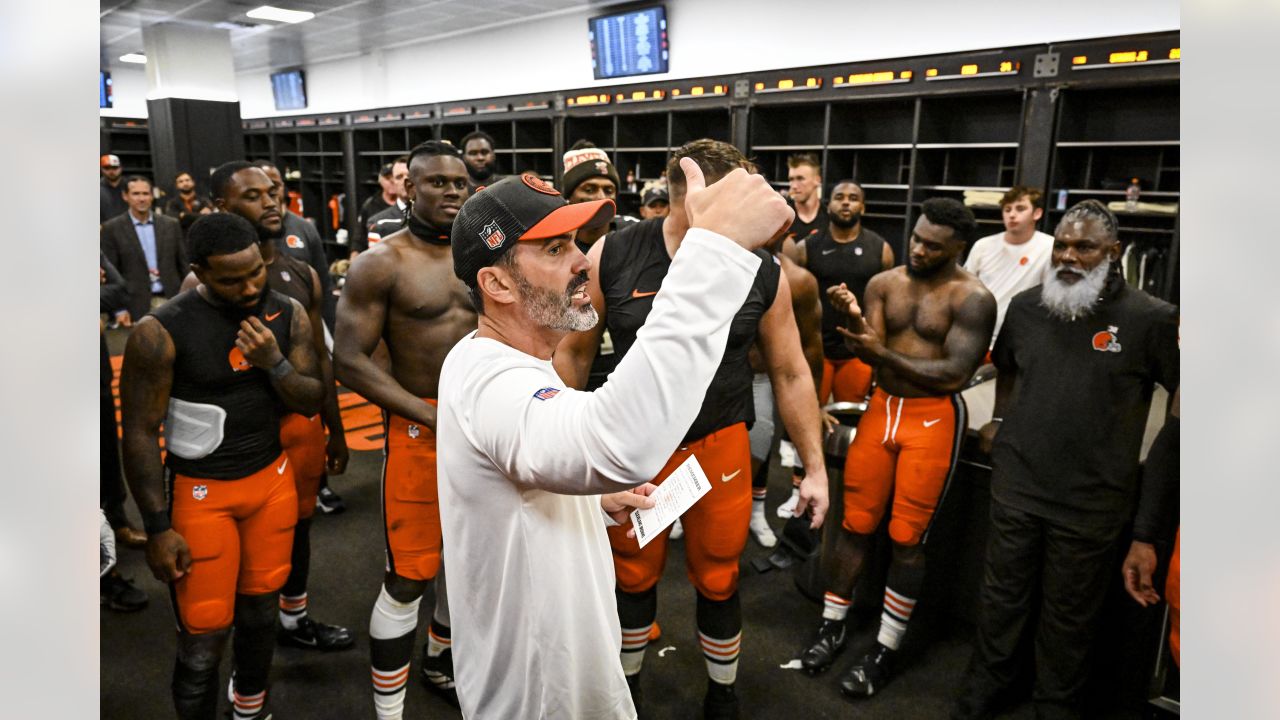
x=1131 y=195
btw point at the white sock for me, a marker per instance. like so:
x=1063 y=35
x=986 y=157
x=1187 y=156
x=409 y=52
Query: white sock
x=835 y=607
x=788 y=508
x=391 y=619
x=894 y=619
x=760 y=525
x=292 y=609
x=721 y=657
x=247 y=707
x=634 y=642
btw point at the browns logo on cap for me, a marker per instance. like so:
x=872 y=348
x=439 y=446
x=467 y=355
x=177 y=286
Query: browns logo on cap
x=538 y=184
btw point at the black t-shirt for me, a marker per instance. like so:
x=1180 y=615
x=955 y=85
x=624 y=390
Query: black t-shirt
x=632 y=268
x=1069 y=443
x=371 y=207
x=853 y=263
x=801 y=230
x=382 y=224
x=606 y=359
x=209 y=369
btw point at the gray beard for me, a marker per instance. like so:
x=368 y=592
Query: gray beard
x=552 y=310
x=1068 y=301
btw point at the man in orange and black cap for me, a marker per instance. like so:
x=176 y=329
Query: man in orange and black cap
x=111 y=192
x=523 y=453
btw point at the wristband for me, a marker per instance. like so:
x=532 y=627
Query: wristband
x=156 y=522
x=282 y=368
x=997 y=419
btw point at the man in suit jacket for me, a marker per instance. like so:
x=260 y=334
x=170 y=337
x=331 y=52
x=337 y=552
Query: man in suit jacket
x=147 y=249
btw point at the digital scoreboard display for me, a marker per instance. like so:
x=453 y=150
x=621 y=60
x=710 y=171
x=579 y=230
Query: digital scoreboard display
x=289 y=89
x=630 y=43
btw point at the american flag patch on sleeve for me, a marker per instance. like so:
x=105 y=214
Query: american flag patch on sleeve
x=546 y=393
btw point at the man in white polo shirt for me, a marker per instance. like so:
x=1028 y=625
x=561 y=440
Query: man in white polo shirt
x=523 y=456
x=1014 y=260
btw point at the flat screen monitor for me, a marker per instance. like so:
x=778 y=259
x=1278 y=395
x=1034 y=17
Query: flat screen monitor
x=629 y=43
x=289 y=89
x=104 y=89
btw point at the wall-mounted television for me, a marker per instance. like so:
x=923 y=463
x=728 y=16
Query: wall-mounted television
x=104 y=89
x=629 y=43
x=289 y=89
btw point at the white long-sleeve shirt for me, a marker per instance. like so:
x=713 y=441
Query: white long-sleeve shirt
x=522 y=458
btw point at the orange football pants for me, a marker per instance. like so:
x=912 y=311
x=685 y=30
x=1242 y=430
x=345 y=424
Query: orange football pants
x=240 y=534
x=715 y=528
x=1173 y=594
x=410 y=501
x=849 y=379
x=905 y=448
x=304 y=443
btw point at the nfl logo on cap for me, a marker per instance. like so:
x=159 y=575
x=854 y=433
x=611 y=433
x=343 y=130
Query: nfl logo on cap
x=492 y=235
x=200 y=492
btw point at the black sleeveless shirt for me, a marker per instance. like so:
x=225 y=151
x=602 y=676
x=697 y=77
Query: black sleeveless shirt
x=209 y=369
x=632 y=268
x=852 y=263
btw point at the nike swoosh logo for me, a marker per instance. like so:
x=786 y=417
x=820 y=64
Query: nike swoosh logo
x=828 y=252
x=931 y=423
x=280 y=470
x=269 y=318
x=638 y=294
x=727 y=478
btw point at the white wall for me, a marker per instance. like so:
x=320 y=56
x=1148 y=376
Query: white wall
x=129 y=91
x=708 y=37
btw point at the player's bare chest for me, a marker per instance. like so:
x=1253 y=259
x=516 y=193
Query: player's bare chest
x=924 y=312
x=427 y=291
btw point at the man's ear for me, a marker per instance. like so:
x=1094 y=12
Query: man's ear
x=497 y=285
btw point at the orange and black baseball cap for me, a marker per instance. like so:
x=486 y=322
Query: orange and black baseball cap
x=514 y=209
x=109 y=161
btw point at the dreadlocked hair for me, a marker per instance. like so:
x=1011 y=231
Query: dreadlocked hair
x=1092 y=210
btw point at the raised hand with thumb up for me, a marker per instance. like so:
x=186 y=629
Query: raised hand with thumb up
x=740 y=206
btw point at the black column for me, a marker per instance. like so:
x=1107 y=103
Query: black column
x=194 y=136
x=1038 y=119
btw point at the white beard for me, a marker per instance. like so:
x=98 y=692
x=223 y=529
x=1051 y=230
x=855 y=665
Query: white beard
x=554 y=311
x=1068 y=301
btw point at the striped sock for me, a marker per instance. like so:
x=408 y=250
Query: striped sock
x=247 y=707
x=388 y=692
x=759 y=494
x=391 y=631
x=835 y=607
x=634 y=642
x=439 y=641
x=894 y=619
x=722 y=657
x=439 y=638
x=292 y=609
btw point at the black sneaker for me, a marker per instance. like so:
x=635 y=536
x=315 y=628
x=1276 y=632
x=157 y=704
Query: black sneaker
x=118 y=593
x=720 y=703
x=826 y=647
x=312 y=635
x=437 y=675
x=870 y=674
x=328 y=502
